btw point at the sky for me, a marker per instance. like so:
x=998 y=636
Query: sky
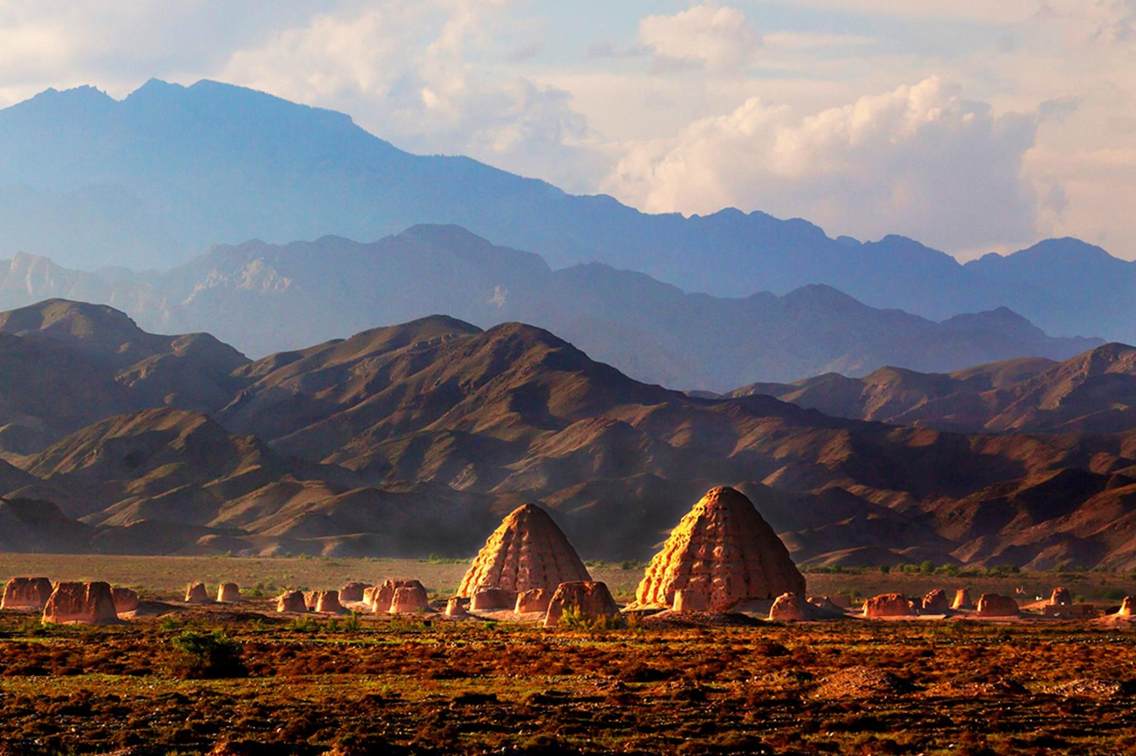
x=971 y=125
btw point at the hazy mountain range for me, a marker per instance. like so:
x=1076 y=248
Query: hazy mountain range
x=264 y=298
x=414 y=439
x=151 y=180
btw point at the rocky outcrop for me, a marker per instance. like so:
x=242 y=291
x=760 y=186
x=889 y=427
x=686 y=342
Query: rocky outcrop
x=996 y=605
x=293 y=602
x=26 y=593
x=382 y=598
x=228 y=593
x=888 y=605
x=1060 y=597
x=125 y=600
x=526 y=551
x=409 y=599
x=456 y=607
x=962 y=599
x=352 y=592
x=492 y=600
x=80 y=603
x=195 y=593
x=533 y=600
x=327 y=602
x=935 y=602
x=790 y=607
x=588 y=599
x=723 y=550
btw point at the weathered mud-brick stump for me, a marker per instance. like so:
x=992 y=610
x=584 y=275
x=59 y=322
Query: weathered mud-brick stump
x=81 y=603
x=26 y=593
x=888 y=605
x=588 y=599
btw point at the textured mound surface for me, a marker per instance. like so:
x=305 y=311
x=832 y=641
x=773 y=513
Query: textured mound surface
x=962 y=599
x=526 y=551
x=81 y=603
x=382 y=598
x=723 y=550
x=26 y=593
x=352 y=591
x=1060 y=597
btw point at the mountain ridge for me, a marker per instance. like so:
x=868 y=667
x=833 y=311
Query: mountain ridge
x=151 y=179
x=269 y=298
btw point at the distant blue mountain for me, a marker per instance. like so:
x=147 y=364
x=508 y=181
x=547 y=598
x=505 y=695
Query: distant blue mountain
x=272 y=298
x=154 y=179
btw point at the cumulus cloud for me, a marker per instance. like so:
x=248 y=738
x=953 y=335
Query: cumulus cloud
x=403 y=69
x=919 y=160
x=717 y=37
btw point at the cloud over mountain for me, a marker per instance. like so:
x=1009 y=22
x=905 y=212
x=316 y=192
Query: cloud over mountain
x=919 y=160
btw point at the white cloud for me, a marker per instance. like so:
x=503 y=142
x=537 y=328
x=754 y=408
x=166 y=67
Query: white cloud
x=718 y=37
x=918 y=160
x=403 y=69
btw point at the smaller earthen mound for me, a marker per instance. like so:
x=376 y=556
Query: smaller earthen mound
x=1126 y=608
x=962 y=599
x=789 y=607
x=195 y=593
x=826 y=606
x=935 y=602
x=292 y=601
x=455 y=607
x=310 y=600
x=125 y=600
x=687 y=600
x=409 y=599
x=81 y=603
x=996 y=605
x=1060 y=597
x=587 y=599
x=327 y=602
x=26 y=593
x=228 y=593
x=383 y=596
x=492 y=600
x=888 y=605
x=352 y=591
x=533 y=600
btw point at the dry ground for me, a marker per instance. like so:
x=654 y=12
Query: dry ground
x=311 y=685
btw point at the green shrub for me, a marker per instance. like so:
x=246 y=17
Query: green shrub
x=204 y=655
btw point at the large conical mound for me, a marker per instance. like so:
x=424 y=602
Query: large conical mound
x=526 y=551
x=721 y=553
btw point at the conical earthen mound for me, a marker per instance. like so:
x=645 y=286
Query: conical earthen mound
x=526 y=551
x=723 y=550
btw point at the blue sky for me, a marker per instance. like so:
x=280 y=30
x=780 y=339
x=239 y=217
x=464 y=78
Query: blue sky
x=973 y=126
